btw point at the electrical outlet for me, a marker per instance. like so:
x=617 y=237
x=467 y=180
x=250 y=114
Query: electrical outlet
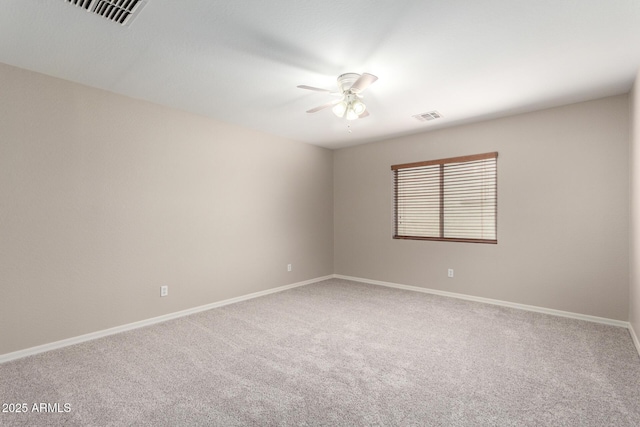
x=450 y=272
x=164 y=291
x=288 y=267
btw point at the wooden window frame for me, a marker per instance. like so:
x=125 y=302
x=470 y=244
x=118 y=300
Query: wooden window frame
x=442 y=163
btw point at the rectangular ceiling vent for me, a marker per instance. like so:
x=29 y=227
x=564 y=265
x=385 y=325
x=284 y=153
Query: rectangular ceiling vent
x=425 y=117
x=122 y=12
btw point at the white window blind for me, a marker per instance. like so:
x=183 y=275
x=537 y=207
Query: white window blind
x=453 y=199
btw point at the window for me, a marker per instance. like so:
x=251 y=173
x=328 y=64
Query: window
x=452 y=199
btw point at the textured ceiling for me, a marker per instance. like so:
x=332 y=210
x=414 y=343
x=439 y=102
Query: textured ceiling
x=240 y=61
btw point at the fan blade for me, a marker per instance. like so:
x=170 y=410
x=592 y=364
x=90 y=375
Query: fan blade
x=322 y=107
x=363 y=82
x=363 y=115
x=317 y=89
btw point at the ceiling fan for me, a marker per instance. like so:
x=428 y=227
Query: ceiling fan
x=350 y=86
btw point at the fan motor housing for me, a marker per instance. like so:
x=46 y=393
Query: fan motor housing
x=346 y=80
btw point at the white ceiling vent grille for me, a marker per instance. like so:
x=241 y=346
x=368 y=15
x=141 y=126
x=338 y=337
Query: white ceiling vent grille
x=122 y=12
x=425 y=117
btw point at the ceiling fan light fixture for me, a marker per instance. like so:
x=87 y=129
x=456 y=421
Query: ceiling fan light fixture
x=358 y=107
x=351 y=114
x=349 y=106
x=339 y=109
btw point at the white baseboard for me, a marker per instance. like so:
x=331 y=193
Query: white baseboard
x=537 y=309
x=634 y=337
x=106 y=332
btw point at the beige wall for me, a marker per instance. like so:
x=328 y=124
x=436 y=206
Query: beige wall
x=563 y=211
x=634 y=247
x=104 y=198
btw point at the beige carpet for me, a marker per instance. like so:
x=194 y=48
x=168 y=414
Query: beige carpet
x=338 y=353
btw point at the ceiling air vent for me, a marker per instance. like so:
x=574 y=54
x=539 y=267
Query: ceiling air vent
x=122 y=12
x=425 y=117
